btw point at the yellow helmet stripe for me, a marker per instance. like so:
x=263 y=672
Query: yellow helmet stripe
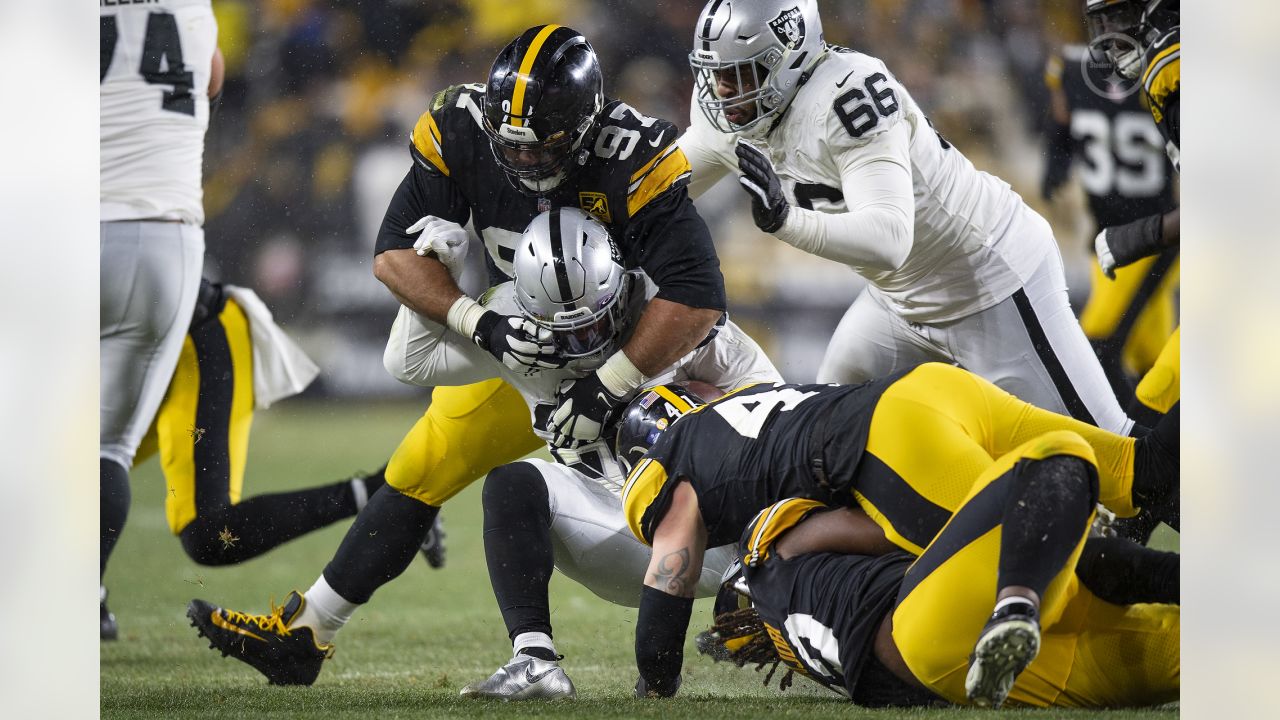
x=526 y=65
x=676 y=401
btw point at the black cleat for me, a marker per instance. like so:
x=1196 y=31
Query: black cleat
x=110 y=630
x=286 y=656
x=433 y=549
x=1007 y=645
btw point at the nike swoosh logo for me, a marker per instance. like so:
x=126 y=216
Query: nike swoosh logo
x=845 y=80
x=533 y=679
x=658 y=139
x=217 y=620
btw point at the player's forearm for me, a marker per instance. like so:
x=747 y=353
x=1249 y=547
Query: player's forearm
x=667 y=331
x=1143 y=237
x=661 y=626
x=421 y=284
x=876 y=238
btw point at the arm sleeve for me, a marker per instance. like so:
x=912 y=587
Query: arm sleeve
x=423 y=191
x=671 y=243
x=710 y=152
x=423 y=352
x=661 y=626
x=877 y=231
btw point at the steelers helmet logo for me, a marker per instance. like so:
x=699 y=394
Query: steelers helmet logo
x=1099 y=71
x=788 y=27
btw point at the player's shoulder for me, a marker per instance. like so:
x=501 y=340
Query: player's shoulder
x=636 y=156
x=756 y=544
x=453 y=118
x=856 y=94
x=1161 y=66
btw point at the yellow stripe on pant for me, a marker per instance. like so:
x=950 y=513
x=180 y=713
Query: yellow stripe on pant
x=1161 y=387
x=466 y=432
x=176 y=431
x=939 y=428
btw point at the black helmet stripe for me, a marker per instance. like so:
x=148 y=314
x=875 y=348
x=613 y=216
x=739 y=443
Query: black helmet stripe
x=706 y=27
x=558 y=263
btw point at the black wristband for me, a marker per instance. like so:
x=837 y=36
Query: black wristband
x=1133 y=241
x=660 y=630
x=484 y=328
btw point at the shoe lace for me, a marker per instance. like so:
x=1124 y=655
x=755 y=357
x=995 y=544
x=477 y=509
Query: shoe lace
x=273 y=623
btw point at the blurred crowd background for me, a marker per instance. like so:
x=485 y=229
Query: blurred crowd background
x=312 y=138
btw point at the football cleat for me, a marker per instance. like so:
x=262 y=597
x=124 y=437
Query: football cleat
x=285 y=655
x=432 y=549
x=110 y=630
x=1008 y=643
x=524 y=678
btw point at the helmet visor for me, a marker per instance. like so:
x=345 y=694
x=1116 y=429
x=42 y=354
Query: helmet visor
x=581 y=332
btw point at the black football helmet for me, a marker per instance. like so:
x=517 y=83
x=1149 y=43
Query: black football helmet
x=647 y=416
x=1120 y=31
x=544 y=94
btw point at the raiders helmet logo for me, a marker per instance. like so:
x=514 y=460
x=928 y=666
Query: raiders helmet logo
x=788 y=27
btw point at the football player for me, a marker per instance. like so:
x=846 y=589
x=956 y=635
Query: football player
x=234 y=360
x=1142 y=42
x=891 y=629
x=159 y=66
x=1125 y=173
x=539 y=134
x=907 y=449
x=839 y=161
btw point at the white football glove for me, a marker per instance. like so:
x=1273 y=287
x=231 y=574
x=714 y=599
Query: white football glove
x=444 y=240
x=1105 y=258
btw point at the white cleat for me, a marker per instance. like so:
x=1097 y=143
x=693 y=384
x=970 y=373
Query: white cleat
x=524 y=678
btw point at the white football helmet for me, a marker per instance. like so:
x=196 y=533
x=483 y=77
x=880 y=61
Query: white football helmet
x=569 y=279
x=764 y=46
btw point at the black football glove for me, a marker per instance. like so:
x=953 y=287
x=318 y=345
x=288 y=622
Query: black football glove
x=769 y=206
x=517 y=343
x=583 y=408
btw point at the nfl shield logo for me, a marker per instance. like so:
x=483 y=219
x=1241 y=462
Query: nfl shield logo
x=788 y=27
x=543 y=205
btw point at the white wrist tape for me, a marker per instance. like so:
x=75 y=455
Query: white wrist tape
x=619 y=376
x=463 y=316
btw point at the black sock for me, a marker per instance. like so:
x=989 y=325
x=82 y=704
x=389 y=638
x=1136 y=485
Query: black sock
x=1123 y=573
x=113 y=507
x=375 y=480
x=517 y=546
x=235 y=533
x=380 y=544
x=1156 y=466
x=1045 y=514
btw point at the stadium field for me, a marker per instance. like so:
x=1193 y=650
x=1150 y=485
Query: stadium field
x=423 y=637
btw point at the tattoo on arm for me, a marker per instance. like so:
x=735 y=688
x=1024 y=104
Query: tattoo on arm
x=672 y=574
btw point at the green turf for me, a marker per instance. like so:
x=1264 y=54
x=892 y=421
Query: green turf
x=421 y=638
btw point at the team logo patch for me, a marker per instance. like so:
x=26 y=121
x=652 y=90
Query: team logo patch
x=596 y=204
x=788 y=27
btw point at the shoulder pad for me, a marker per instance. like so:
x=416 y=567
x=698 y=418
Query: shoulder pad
x=770 y=524
x=861 y=100
x=454 y=104
x=647 y=152
x=1162 y=70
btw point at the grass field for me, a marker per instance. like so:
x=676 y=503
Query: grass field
x=422 y=637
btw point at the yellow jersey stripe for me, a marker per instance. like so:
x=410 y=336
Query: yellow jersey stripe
x=781 y=517
x=663 y=175
x=426 y=140
x=526 y=66
x=1155 y=61
x=676 y=401
x=642 y=488
x=654 y=161
x=1163 y=84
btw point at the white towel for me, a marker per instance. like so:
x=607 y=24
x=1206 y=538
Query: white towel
x=280 y=368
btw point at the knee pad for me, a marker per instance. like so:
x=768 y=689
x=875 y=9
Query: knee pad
x=1063 y=481
x=515 y=491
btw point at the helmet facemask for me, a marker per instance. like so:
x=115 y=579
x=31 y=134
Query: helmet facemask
x=755 y=100
x=586 y=332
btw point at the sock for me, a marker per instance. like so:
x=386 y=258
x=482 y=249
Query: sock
x=113 y=507
x=1046 y=513
x=517 y=547
x=380 y=544
x=1122 y=572
x=1156 y=465
x=325 y=611
x=535 y=644
x=235 y=533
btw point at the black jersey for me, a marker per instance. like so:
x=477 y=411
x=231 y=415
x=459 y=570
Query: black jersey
x=1122 y=162
x=633 y=180
x=754 y=447
x=1161 y=79
x=823 y=610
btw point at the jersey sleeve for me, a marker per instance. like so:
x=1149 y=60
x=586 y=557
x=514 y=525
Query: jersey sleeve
x=657 y=166
x=670 y=241
x=710 y=152
x=1161 y=78
x=865 y=103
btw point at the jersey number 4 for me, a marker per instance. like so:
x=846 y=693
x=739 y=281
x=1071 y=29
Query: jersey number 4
x=748 y=413
x=161 y=59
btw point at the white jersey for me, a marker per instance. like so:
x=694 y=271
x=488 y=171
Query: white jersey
x=423 y=352
x=156 y=60
x=969 y=249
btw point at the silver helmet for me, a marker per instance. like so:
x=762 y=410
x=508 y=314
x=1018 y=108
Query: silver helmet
x=760 y=48
x=569 y=280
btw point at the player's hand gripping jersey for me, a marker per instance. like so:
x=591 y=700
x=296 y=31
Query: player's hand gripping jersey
x=154 y=72
x=873 y=185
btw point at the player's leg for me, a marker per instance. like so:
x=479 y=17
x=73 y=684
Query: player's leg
x=871 y=342
x=204 y=427
x=1128 y=318
x=149 y=274
x=465 y=432
x=1031 y=345
x=1160 y=388
x=1012 y=546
